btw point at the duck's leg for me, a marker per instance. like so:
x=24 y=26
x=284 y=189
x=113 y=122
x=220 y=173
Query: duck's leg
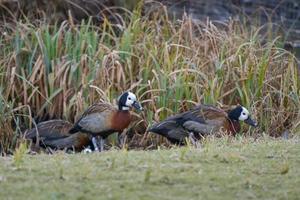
x=101 y=140
x=95 y=144
x=194 y=140
x=122 y=139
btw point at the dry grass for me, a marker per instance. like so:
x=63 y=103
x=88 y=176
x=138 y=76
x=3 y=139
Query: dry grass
x=56 y=71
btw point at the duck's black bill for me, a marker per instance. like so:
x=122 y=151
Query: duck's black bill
x=137 y=106
x=251 y=122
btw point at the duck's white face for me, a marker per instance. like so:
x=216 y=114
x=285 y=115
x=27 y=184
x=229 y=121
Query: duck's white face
x=131 y=99
x=128 y=100
x=244 y=114
x=241 y=114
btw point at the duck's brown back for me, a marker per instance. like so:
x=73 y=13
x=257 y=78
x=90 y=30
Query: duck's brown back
x=50 y=129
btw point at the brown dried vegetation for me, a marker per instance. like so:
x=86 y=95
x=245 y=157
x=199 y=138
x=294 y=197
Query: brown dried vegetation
x=59 y=70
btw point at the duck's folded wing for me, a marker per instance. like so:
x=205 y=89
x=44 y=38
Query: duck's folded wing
x=203 y=119
x=52 y=129
x=170 y=129
x=177 y=135
x=95 y=119
x=95 y=122
x=203 y=129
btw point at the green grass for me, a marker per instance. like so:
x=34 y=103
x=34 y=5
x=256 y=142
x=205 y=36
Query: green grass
x=222 y=169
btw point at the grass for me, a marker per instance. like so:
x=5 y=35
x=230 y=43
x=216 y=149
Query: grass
x=58 y=70
x=223 y=169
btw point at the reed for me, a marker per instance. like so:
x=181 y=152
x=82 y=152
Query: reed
x=57 y=70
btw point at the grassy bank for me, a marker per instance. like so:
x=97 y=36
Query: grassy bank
x=222 y=169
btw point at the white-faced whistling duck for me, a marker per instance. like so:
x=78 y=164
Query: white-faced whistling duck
x=55 y=134
x=102 y=119
x=200 y=121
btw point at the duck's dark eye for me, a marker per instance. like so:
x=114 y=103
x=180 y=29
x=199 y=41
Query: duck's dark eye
x=244 y=113
x=129 y=98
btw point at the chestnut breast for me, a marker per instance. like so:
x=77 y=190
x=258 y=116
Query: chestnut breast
x=120 y=120
x=232 y=127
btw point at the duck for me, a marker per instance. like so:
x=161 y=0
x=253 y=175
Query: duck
x=200 y=121
x=102 y=119
x=55 y=134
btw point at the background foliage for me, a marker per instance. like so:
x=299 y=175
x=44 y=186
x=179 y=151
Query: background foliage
x=56 y=70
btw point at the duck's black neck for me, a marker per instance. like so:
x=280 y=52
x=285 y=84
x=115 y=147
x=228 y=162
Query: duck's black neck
x=233 y=115
x=232 y=120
